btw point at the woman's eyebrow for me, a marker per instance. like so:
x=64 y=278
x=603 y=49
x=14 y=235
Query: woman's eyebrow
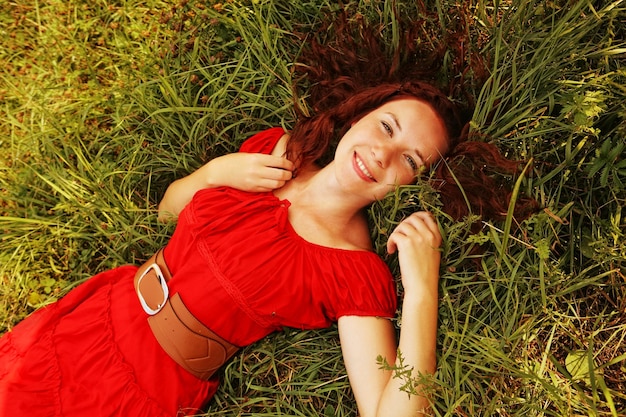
x=395 y=120
x=419 y=154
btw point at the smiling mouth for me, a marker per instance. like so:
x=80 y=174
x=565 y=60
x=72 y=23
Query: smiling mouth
x=362 y=169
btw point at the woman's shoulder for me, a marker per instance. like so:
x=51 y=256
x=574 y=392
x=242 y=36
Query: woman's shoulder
x=281 y=146
x=359 y=235
x=355 y=236
x=270 y=141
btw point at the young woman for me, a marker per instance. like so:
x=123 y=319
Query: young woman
x=266 y=238
x=322 y=208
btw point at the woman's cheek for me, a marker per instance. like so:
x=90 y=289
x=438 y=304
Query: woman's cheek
x=385 y=190
x=404 y=177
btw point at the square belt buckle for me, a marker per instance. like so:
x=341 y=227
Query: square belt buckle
x=166 y=292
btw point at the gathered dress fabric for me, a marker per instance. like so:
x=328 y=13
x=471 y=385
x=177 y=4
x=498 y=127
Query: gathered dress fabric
x=238 y=266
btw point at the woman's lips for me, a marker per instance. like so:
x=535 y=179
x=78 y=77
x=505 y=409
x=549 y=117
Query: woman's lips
x=361 y=169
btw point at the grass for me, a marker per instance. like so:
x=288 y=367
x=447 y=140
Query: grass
x=106 y=102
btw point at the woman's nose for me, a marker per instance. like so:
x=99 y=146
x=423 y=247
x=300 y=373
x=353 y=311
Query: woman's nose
x=381 y=153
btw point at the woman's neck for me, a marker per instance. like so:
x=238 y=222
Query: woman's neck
x=318 y=189
x=321 y=213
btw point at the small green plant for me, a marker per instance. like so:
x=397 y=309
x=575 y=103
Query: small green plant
x=583 y=109
x=400 y=370
x=610 y=162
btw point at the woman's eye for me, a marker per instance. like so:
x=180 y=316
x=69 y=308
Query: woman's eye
x=387 y=128
x=412 y=163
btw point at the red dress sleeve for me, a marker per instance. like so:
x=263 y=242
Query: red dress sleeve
x=263 y=142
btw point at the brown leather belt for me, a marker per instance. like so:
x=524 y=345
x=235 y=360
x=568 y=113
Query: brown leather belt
x=185 y=339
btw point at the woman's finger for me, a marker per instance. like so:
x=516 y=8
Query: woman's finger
x=419 y=228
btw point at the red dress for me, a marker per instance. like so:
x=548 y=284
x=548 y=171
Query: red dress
x=239 y=267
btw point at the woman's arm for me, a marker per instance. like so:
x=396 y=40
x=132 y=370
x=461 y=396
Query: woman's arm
x=253 y=172
x=363 y=339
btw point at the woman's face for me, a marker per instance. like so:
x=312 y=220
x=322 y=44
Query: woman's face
x=389 y=146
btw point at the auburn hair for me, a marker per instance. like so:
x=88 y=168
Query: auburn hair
x=346 y=70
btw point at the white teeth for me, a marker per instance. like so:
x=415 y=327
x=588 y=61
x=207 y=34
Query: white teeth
x=363 y=168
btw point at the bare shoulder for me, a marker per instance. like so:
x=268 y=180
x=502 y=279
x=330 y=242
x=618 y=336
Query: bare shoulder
x=281 y=146
x=360 y=233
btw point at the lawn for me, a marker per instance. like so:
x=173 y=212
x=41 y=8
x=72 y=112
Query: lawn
x=105 y=102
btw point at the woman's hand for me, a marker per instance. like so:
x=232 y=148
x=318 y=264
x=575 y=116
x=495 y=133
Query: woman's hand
x=253 y=172
x=417 y=239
